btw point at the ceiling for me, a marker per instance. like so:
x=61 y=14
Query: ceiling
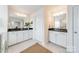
x=26 y=9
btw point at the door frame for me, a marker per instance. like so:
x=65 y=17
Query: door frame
x=70 y=35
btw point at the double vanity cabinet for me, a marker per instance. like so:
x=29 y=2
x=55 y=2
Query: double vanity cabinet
x=18 y=36
x=58 y=37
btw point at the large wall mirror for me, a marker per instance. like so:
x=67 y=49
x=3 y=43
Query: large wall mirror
x=20 y=22
x=16 y=22
x=60 y=21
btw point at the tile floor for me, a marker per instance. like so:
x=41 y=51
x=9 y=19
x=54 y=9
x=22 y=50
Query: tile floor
x=20 y=47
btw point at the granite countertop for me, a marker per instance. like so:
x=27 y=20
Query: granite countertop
x=19 y=29
x=57 y=29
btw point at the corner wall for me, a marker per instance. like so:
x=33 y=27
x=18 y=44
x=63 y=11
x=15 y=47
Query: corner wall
x=38 y=25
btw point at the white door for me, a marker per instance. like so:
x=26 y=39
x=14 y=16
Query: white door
x=76 y=28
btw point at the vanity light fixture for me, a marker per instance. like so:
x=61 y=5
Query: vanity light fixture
x=21 y=15
x=59 y=13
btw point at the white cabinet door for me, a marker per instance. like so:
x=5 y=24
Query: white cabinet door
x=11 y=38
x=58 y=38
x=52 y=36
x=30 y=34
x=61 y=39
x=25 y=35
x=19 y=36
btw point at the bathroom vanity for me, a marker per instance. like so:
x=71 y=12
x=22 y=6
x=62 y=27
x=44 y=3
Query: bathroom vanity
x=19 y=35
x=58 y=36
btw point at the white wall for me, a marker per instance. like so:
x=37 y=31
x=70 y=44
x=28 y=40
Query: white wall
x=3 y=26
x=38 y=25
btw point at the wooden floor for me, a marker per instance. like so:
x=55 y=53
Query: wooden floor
x=37 y=48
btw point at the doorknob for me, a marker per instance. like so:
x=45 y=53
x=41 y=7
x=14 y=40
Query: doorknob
x=75 y=32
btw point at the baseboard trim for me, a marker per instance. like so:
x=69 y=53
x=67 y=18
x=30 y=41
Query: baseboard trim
x=19 y=42
x=57 y=44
